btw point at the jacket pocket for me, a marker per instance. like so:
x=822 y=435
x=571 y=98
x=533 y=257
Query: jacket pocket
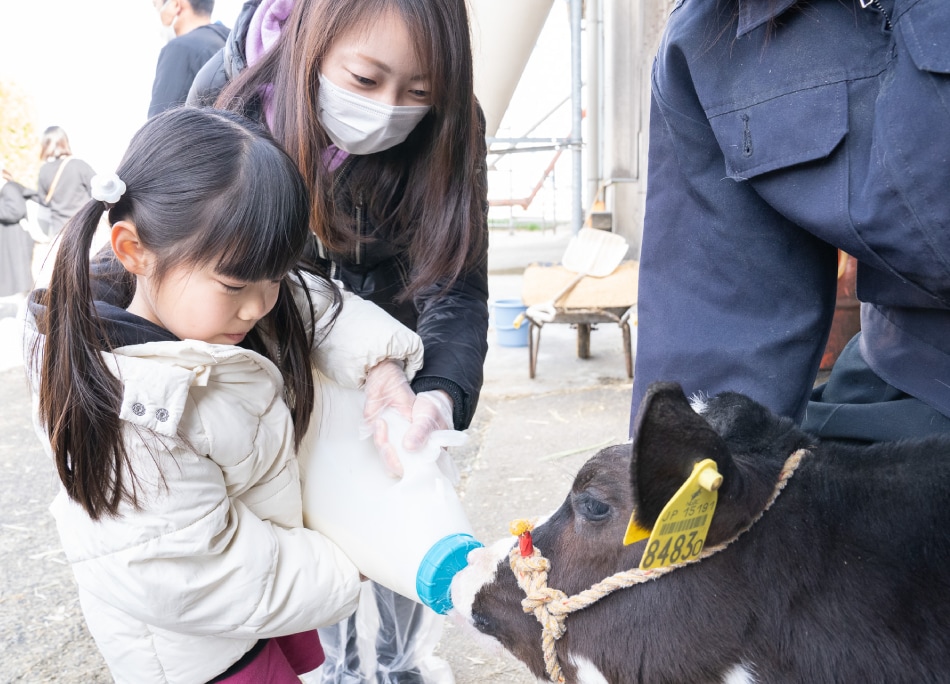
x=925 y=27
x=782 y=131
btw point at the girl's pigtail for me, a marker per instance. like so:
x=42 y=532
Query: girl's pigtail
x=297 y=339
x=293 y=357
x=79 y=397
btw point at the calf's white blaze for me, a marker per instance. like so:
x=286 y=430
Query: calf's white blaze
x=483 y=564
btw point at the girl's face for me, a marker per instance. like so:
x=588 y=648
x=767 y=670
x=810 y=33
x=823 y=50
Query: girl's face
x=377 y=60
x=197 y=303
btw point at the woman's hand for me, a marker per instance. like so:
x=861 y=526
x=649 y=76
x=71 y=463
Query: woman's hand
x=431 y=411
x=387 y=386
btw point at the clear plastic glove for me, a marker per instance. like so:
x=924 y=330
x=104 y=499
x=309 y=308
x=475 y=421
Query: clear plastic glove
x=386 y=386
x=431 y=411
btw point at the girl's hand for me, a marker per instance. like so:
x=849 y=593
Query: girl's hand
x=387 y=385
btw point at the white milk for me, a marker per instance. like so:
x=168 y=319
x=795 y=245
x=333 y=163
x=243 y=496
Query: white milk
x=409 y=534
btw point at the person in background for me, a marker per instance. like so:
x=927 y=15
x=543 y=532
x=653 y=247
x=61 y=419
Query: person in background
x=374 y=101
x=174 y=421
x=196 y=40
x=65 y=182
x=16 y=244
x=781 y=132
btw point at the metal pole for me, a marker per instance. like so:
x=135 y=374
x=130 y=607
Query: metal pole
x=577 y=105
x=592 y=31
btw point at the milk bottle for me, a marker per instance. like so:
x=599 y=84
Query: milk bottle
x=408 y=534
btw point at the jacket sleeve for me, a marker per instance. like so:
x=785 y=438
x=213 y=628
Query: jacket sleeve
x=454 y=325
x=12 y=204
x=361 y=336
x=195 y=561
x=208 y=82
x=225 y=64
x=732 y=295
x=454 y=331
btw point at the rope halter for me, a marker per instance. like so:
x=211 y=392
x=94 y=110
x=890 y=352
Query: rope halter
x=552 y=606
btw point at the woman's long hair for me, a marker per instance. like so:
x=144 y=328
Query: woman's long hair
x=202 y=187
x=427 y=194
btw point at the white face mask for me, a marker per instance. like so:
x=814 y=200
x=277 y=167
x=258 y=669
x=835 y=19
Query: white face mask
x=360 y=125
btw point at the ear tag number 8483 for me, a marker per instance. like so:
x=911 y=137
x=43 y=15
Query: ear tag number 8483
x=680 y=531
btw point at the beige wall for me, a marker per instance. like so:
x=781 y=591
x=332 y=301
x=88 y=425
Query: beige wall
x=631 y=32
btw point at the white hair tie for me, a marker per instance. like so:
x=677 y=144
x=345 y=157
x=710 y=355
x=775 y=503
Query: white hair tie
x=107 y=187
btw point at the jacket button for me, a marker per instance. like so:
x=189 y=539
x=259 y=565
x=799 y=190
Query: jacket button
x=161 y=415
x=138 y=409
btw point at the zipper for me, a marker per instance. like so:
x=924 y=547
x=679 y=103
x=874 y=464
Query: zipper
x=359 y=230
x=876 y=4
x=340 y=173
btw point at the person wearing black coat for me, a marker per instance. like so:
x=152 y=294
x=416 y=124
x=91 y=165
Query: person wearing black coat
x=376 y=261
x=196 y=40
x=16 y=245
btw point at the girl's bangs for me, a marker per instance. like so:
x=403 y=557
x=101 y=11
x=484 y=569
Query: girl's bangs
x=261 y=225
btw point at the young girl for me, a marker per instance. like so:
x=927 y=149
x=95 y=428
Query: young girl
x=173 y=421
x=374 y=101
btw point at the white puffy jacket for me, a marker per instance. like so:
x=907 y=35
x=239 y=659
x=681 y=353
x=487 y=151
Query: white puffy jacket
x=215 y=558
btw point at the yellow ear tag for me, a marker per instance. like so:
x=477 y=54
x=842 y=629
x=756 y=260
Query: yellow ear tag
x=681 y=529
x=634 y=532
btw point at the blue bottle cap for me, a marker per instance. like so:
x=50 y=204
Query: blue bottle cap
x=442 y=562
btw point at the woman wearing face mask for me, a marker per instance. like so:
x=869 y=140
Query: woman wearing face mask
x=374 y=101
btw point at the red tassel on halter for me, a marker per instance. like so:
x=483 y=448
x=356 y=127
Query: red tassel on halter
x=522 y=530
x=525 y=544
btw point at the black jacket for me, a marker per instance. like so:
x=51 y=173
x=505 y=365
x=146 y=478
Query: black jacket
x=453 y=326
x=13 y=198
x=179 y=61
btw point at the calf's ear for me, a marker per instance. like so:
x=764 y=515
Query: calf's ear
x=669 y=438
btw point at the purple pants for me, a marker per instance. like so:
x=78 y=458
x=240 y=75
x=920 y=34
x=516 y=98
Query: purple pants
x=281 y=660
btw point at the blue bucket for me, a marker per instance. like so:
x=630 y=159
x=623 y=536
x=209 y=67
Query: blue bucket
x=506 y=311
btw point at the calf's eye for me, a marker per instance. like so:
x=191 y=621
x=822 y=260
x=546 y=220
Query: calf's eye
x=590 y=507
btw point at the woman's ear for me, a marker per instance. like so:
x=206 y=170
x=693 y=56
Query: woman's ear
x=129 y=250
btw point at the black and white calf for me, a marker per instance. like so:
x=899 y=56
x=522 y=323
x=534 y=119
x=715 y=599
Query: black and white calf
x=845 y=578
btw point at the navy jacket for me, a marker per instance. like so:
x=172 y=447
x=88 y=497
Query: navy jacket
x=779 y=132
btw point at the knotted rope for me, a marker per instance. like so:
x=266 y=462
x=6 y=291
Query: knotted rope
x=552 y=606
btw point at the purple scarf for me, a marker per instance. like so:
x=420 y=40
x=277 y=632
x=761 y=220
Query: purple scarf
x=262 y=34
x=265 y=26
